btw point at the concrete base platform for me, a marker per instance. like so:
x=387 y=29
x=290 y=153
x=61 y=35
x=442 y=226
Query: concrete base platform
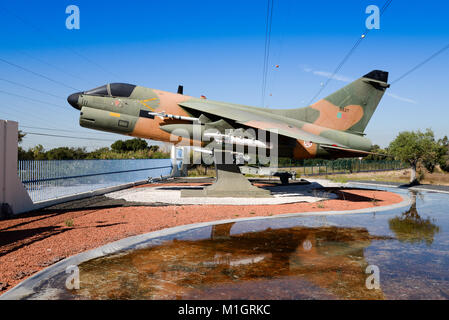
x=280 y=194
x=210 y=192
x=230 y=181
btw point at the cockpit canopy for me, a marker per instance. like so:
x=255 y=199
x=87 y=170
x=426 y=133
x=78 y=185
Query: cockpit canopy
x=112 y=90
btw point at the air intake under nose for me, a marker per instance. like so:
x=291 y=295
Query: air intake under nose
x=73 y=100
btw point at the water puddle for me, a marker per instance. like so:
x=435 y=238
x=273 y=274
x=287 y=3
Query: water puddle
x=262 y=265
x=310 y=257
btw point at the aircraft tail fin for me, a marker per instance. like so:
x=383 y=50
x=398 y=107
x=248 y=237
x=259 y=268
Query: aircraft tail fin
x=348 y=109
x=351 y=107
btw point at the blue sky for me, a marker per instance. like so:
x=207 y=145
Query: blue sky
x=216 y=48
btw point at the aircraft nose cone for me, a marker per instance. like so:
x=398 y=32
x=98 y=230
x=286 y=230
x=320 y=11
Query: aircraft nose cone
x=73 y=100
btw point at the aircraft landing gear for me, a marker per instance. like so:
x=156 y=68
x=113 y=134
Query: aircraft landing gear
x=230 y=182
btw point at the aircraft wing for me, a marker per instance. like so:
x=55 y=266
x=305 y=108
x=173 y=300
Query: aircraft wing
x=257 y=119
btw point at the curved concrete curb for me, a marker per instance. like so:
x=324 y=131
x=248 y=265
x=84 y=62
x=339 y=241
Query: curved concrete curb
x=26 y=287
x=416 y=188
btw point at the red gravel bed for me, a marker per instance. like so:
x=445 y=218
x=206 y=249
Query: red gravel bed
x=38 y=239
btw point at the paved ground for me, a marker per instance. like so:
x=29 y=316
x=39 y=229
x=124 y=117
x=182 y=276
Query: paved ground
x=35 y=240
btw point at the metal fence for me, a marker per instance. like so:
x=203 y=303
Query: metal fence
x=342 y=166
x=51 y=179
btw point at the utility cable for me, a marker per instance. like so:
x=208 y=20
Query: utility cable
x=38 y=74
x=30 y=88
x=69 y=137
x=420 y=64
x=269 y=22
x=350 y=52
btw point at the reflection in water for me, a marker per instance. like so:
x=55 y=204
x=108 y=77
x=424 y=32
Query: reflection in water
x=411 y=227
x=290 y=263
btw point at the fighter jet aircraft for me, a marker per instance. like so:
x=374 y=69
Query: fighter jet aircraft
x=330 y=128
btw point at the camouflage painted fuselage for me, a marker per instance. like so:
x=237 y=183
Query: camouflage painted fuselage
x=330 y=128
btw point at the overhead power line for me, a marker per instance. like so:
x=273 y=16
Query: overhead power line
x=421 y=64
x=68 y=137
x=38 y=74
x=36 y=117
x=266 y=57
x=40 y=115
x=350 y=52
x=32 y=119
x=63 y=130
x=30 y=88
x=32 y=99
x=55 y=67
x=20 y=113
x=56 y=40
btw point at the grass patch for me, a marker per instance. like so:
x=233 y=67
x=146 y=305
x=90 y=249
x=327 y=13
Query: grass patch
x=69 y=222
x=339 y=179
x=252 y=175
x=402 y=176
x=201 y=171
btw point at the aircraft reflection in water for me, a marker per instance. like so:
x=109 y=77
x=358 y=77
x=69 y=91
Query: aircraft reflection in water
x=290 y=263
x=411 y=227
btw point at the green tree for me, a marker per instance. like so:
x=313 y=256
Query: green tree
x=444 y=162
x=96 y=154
x=129 y=145
x=79 y=153
x=62 y=153
x=135 y=149
x=65 y=153
x=381 y=154
x=136 y=144
x=118 y=146
x=25 y=155
x=38 y=152
x=21 y=136
x=416 y=148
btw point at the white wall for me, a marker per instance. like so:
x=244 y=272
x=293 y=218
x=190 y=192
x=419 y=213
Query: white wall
x=12 y=190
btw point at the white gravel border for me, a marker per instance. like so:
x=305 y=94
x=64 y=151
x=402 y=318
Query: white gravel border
x=281 y=194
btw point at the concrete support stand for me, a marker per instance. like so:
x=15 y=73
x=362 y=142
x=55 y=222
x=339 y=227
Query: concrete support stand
x=229 y=183
x=174 y=162
x=14 y=198
x=179 y=158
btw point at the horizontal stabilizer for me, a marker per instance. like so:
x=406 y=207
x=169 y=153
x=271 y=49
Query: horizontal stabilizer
x=347 y=152
x=378 y=75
